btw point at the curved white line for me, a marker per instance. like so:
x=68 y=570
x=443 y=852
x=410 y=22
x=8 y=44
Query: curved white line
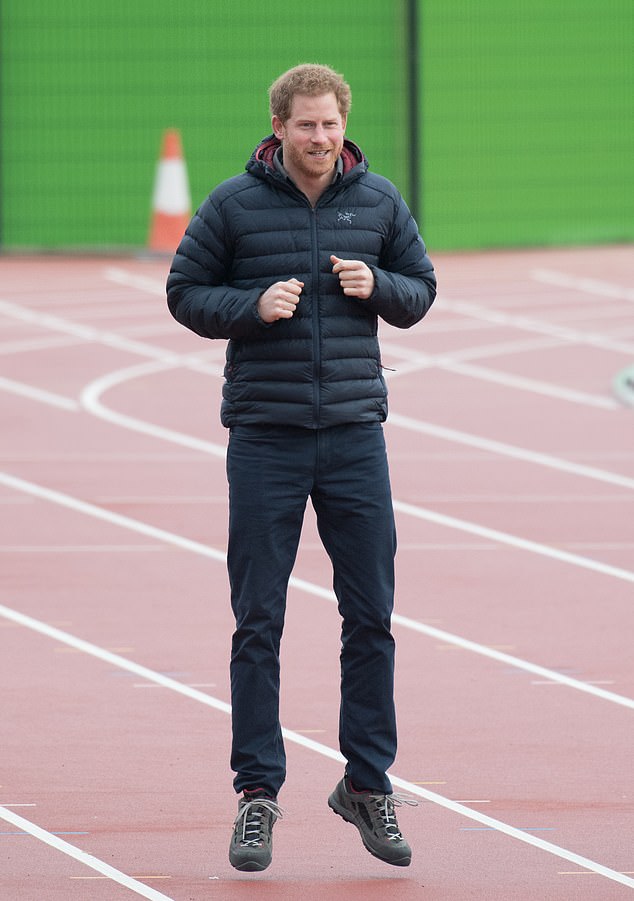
x=173 y=360
x=90 y=399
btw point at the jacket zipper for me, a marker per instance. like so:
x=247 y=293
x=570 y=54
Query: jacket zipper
x=315 y=317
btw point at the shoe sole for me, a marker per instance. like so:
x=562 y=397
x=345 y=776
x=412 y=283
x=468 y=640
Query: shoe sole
x=249 y=866
x=349 y=817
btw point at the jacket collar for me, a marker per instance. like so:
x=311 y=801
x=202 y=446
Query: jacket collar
x=263 y=158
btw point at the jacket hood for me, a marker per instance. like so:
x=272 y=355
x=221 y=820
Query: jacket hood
x=262 y=156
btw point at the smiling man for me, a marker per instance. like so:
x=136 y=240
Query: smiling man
x=312 y=137
x=294 y=262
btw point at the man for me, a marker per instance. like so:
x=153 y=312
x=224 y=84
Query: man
x=294 y=261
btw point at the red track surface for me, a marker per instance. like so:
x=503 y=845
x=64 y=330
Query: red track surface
x=513 y=476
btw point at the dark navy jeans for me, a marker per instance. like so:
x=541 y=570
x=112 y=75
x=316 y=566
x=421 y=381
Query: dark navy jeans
x=272 y=471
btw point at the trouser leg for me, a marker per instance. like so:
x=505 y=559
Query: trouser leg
x=352 y=499
x=267 y=501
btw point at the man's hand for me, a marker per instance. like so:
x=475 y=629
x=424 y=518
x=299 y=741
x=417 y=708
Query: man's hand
x=279 y=301
x=355 y=277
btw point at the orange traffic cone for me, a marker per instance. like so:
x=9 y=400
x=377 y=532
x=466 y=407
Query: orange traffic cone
x=171 y=202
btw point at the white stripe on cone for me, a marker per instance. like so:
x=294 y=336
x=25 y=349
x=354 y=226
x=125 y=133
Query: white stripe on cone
x=171 y=200
x=171 y=188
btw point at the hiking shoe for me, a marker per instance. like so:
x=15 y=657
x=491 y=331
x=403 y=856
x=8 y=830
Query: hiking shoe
x=251 y=845
x=373 y=815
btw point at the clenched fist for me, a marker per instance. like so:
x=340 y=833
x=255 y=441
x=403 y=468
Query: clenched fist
x=355 y=277
x=279 y=301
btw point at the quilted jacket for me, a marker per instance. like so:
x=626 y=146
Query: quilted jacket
x=322 y=367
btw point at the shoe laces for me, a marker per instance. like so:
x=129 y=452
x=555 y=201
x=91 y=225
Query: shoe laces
x=385 y=805
x=250 y=819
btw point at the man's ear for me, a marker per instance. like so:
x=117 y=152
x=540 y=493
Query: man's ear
x=278 y=127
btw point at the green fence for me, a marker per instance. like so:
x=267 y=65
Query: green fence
x=528 y=122
x=523 y=112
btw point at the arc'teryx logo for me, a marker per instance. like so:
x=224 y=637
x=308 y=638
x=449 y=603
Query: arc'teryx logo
x=345 y=216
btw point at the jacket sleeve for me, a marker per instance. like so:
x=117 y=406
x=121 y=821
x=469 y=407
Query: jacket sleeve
x=405 y=281
x=199 y=295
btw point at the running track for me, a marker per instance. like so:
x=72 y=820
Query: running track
x=513 y=474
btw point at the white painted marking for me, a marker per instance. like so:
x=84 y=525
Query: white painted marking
x=532 y=385
x=30 y=344
x=515 y=541
x=318 y=748
x=78 y=549
x=474 y=310
x=18 y=805
x=108 y=339
x=455 y=362
x=117 y=519
x=85 y=647
x=594 y=286
x=133 y=280
x=90 y=400
x=77 y=854
x=196 y=547
x=510 y=450
x=39 y=394
x=91 y=396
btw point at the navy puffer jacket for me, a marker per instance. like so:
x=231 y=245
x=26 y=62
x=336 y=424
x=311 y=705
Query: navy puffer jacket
x=322 y=367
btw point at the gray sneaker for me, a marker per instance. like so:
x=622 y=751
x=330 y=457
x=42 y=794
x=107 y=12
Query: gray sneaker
x=373 y=815
x=251 y=847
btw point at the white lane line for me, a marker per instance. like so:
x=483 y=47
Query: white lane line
x=546 y=276
x=532 y=385
x=474 y=310
x=87 y=859
x=497 y=377
x=116 y=519
x=39 y=394
x=140 y=282
x=196 y=547
x=109 y=657
x=79 y=548
x=486 y=351
x=551 y=676
x=598 y=287
x=108 y=339
x=509 y=450
x=312 y=745
x=28 y=345
x=457 y=362
x=515 y=541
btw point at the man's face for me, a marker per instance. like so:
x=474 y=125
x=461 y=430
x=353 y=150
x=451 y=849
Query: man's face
x=312 y=136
